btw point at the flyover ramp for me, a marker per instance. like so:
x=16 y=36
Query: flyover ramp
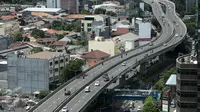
x=76 y=85
x=82 y=99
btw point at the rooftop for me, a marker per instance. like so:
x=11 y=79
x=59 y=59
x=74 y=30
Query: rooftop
x=171 y=81
x=44 y=55
x=96 y=54
x=43 y=9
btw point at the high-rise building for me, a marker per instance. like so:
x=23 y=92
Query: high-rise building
x=53 y=4
x=71 y=6
x=188 y=76
x=189 y=4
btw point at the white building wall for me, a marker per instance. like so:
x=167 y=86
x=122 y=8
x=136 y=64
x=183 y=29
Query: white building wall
x=105 y=46
x=142 y=6
x=145 y=30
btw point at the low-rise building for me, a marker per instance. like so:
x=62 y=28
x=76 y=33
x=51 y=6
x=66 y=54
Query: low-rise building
x=95 y=57
x=106 y=45
x=36 y=71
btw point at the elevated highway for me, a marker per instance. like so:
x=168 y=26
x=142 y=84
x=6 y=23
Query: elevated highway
x=79 y=100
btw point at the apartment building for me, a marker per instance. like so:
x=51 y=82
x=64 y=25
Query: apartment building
x=187 y=84
x=36 y=71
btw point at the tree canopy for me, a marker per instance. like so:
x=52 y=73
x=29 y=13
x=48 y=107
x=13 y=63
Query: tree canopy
x=58 y=25
x=111 y=13
x=38 y=33
x=100 y=11
x=17 y=36
x=43 y=93
x=74 y=67
x=149 y=105
x=84 y=11
x=36 y=50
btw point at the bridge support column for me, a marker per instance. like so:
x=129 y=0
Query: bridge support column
x=143 y=68
x=161 y=58
x=122 y=80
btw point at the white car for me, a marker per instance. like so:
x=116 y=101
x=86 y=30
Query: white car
x=139 y=108
x=124 y=64
x=176 y=35
x=87 y=89
x=65 y=109
x=97 y=83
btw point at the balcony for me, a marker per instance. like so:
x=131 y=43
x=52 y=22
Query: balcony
x=187 y=99
x=187 y=77
x=186 y=88
x=178 y=109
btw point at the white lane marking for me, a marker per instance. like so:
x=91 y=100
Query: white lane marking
x=49 y=106
x=83 y=97
x=54 y=102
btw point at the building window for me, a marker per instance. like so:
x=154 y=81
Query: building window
x=187 y=105
x=56 y=62
x=187 y=71
x=89 y=29
x=66 y=59
x=89 y=25
x=188 y=83
x=61 y=60
x=51 y=71
x=56 y=70
x=50 y=63
x=61 y=68
x=188 y=94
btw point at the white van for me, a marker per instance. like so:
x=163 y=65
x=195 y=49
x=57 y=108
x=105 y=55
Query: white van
x=87 y=89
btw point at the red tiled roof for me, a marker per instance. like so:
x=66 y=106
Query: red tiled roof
x=16 y=44
x=121 y=31
x=96 y=54
x=46 y=39
x=59 y=43
x=8 y=17
x=51 y=31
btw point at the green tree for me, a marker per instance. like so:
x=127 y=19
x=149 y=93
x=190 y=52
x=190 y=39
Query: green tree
x=17 y=36
x=149 y=106
x=82 y=42
x=84 y=11
x=111 y=13
x=57 y=25
x=70 y=70
x=59 y=36
x=100 y=11
x=43 y=93
x=38 y=33
x=36 y=50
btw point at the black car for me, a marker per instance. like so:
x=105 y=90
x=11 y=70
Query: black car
x=67 y=93
x=105 y=75
x=106 y=79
